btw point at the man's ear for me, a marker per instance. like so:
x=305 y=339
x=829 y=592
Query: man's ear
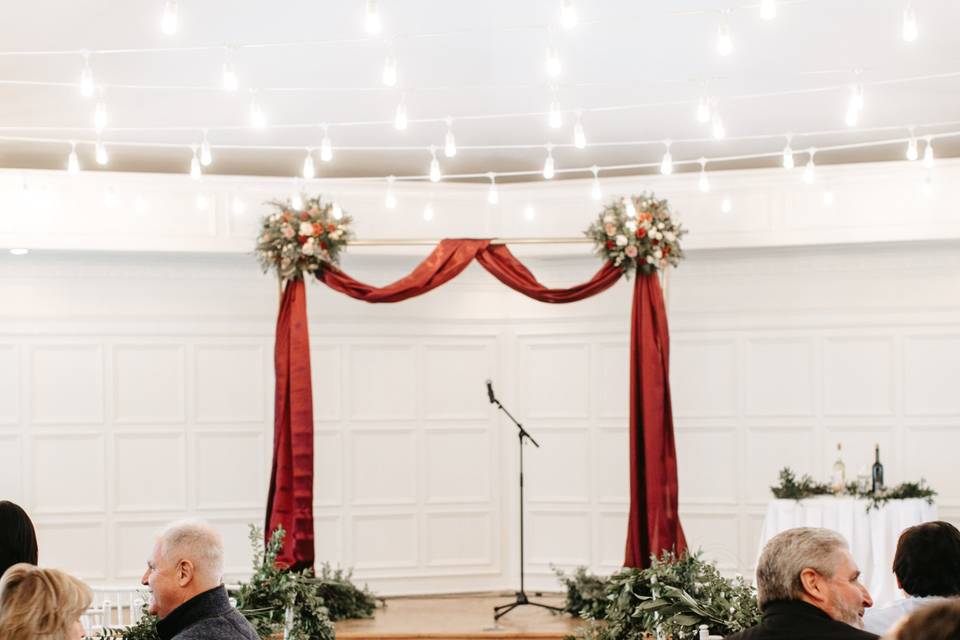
x=813 y=585
x=185 y=573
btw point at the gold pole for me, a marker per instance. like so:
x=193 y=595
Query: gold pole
x=409 y=242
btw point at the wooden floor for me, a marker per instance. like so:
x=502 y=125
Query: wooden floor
x=460 y=616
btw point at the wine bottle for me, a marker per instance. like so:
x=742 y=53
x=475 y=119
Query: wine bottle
x=839 y=471
x=877 y=473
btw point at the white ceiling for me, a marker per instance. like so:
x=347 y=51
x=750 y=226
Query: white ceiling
x=622 y=52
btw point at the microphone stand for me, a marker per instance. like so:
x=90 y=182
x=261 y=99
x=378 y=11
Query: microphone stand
x=521 y=596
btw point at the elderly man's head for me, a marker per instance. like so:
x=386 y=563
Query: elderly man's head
x=814 y=566
x=187 y=560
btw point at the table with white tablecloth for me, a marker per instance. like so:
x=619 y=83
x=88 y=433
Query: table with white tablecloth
x=872 y=534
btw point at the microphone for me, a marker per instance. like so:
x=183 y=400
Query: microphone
x=490 y=391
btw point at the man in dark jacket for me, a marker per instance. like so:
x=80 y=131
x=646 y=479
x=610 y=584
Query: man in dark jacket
x=809 y=589
x=184 y=574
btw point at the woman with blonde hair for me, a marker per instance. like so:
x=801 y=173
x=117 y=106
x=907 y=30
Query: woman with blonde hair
x=41 y=604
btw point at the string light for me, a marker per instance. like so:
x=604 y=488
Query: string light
x=596 y=192
x=912 y=151
x=296 y=200
x=548 y=167
x=579 y=137
x=910 y=30
x=568 y=14
x=73 y=163
x=554 y=66
x=493 y=196
x=230 y=81
x=555 y=116
x=258 y=120
x=724 y=40
x=449 y=142
x=928 y=159
x=726 y=206
x=768 y=10
x=326 y=147
x=337 y=212
x=206 y=154
x=100 y=116
x=400 y=118
x=434 y=166
x=703 y=182
x=717 y=129
x=855 y=106
x=168 y=23
x=631 y=210
x=86 y=77
x=390 y=200
x=195 y=171
x=309 y=170
x=788 y=155
x=529 y=213
x=810 y=171
x=666 y=164
x=389 y=75
x=373 y=24
x=100 y=153
x=428 y=212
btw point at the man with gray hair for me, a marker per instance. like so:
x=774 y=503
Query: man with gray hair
x=184 y=574
x=808 y=586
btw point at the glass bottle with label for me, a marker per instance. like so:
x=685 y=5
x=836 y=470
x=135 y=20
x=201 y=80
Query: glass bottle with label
x=839 y=478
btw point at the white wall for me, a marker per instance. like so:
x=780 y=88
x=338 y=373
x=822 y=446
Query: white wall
x=136 y=388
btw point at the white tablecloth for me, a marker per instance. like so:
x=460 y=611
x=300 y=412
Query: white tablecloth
x=872 y=535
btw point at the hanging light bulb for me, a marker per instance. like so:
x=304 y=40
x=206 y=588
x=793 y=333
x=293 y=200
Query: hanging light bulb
x=326 y=147
x=493 y=196
x=337 y=212
x=373 y=24
x=726 y=206
x=258 y=119
x=73 y=163
x=195 y=171
x=910 y=30
x=168 y=23
x=703 y=110
x=703 y=182
x=629 y=208
x=768 y=10
x=555 y=117
x=100 y=116
x=86 y=77
x=788 y=155
x=717 y=128
x=724 y=40
x=206 y=154
x=449 y=142
x=568 y=14
x=309 y=170
x=595 y=191
x=389 y=75
x=579 y=137
x=400 y=118
x=296 y=199
x=666 y=164
x=810 y=171
x=548 y=171
x=390 y=200
x=101 y=154
x=434 y=165
x=554 y=66
x=928 y=159
x=529 y=213
x=428 y=212
x=912 y=151
x=230 y=81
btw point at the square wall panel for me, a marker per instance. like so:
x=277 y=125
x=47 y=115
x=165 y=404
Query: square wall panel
x=613 y=387
x=68 y=474
x=458 y=464
x=555 y=379
x=149 y=384
x=67 y=384
x=230 y=470
x=236 y=543
x=327 y=468
x=327 y=372
x=458 y=539
x=559 y=470
x=230 y=383
x=384 y=467
x=779 y=377
x=79 y=548
x=384 y=542
x=454 y=381
x=327 y=536
x=717 y=535
x=383 y=382
x=932 y=454
x=11 y=469
x=560 y=538
x=707 y=465
x=751 y=530
x=9 y=384
x=703 y=378
x=769 y=451
x=612 y=538
x=133 y=543
x=931 y=375
x=858 y=376
x=611 y=462
x=149 y=472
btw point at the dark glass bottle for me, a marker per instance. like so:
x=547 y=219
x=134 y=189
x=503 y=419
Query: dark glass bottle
x=877 y=473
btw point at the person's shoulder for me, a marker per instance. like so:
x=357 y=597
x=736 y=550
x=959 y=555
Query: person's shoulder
x=230 y=625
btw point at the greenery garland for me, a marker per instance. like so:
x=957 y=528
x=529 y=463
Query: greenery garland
x=637 y=232
x=791 y=488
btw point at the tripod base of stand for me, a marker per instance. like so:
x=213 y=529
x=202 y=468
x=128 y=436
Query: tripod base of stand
x=521 y=600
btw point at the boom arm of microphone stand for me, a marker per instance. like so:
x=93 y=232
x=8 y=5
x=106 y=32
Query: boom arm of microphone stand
x=523 y=432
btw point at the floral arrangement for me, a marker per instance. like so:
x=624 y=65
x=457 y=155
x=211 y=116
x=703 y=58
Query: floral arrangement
x=791 y=488
x=302 y=239
x=637 y=232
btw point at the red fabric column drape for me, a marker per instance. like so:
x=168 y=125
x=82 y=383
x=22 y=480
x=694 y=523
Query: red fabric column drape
x=654 y=523
x=290 y=501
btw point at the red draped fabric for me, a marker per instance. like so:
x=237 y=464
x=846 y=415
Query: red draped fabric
x=653 y=524
x=290 y=501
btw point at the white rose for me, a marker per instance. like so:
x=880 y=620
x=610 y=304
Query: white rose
x=654 y=234
x=631 y=225
x=335 y=235
x=658 y=254
x=669 y=236
x=306 y=229
x=659 y=225
x=651 y=259
x=308 y=247
x=621 y=241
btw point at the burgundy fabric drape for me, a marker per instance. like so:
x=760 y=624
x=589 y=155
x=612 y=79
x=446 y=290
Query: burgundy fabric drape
x=654 y=524
x=290 y=501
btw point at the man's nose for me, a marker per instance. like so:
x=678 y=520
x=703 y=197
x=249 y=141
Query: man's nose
x=867 y=600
